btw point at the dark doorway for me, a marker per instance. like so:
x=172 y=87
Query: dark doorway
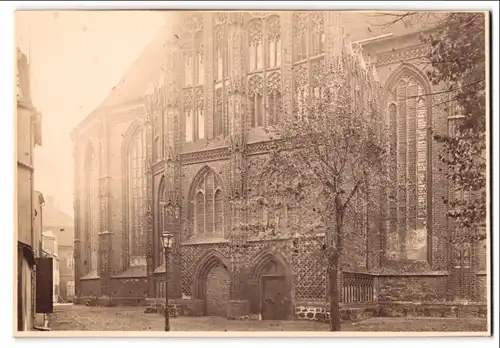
x=275 y=299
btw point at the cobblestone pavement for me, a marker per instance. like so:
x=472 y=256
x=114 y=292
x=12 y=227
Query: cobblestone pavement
x=81 y=318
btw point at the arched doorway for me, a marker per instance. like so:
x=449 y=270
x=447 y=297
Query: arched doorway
x=216 y=291
x=211 y=284
x=270 y=287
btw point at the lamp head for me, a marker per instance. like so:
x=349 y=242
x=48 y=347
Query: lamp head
x=167 y=240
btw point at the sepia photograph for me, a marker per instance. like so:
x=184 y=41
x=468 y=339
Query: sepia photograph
x=296 y=172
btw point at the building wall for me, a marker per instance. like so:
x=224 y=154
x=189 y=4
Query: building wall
x=66 y=271
x=28 y=123
x=180 y=164
x=62 y=226
x=25 y=175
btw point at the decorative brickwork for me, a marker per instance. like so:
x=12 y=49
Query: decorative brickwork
x=208 y=119
x=402 y=55
x=190 y=259
x=309 y=266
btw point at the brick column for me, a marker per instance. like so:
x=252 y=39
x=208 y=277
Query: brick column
x=172 y=172
x=105 y=235
x=237 y=306
x=147 y=220
x=76 y=255
x=105 y=261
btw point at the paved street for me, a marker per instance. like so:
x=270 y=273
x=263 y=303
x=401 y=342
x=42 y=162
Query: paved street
x=81 y=318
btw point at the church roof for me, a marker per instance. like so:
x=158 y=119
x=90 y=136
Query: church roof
x=365 y=25
x=134 y=83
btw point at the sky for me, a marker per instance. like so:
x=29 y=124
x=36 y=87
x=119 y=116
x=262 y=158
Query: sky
x=76 y=59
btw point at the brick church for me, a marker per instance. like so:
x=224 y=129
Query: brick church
x=169 y=149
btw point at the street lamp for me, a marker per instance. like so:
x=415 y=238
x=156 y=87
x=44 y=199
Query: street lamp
x=167 y=240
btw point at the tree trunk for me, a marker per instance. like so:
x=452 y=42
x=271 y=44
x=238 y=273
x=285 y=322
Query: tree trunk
x=334 y=271
x=334 y=294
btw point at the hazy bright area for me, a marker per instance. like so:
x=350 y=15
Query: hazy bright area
x=76 y=59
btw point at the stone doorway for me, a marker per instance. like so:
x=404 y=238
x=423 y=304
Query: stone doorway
x=216 y=291
x=211 y=281
x=269 y=288
x=275 y=301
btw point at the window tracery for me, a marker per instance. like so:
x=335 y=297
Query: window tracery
x=308 y=34
x=255 y=44
x=194 y=72
x=309 y=39
x=408 y=124
x=136 y=196
x=221 y=74
x=274 y=98
x=256 y=100
x=207 y=204
x=264 y=82
x=273 y=42
x=199 y=63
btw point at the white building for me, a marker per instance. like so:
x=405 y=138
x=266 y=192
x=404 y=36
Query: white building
x=50 y=249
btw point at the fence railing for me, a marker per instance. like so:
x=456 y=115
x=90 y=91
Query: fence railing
x=357 y=288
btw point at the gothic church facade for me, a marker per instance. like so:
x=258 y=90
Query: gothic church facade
x=172 y=147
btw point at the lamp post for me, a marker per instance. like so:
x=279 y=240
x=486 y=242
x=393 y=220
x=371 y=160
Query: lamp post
x=167 y=240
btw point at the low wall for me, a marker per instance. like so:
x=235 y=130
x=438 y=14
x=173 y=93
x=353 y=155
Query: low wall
x=415 y=287
x=432 y=309
x=320 y=312
x=176 y=307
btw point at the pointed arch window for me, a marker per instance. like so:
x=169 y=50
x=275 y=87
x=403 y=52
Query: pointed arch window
x=188 y=69
x=308 y=35
x=274 y=101
x=194 y=110
x=199 y=62
x=91 y=208
x=221 y=53
x=255 y=45
x=309 y=40
x=273 y=31
x=318 y=38
x=408 y=200
x=136 y=196
x=207 y=204
x=256 y=100
x=264 y=83
x=221 y=76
